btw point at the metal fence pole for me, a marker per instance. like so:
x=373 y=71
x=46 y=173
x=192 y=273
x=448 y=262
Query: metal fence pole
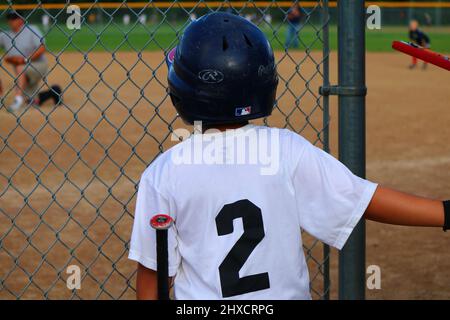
x=351 y=56
x=326 y=131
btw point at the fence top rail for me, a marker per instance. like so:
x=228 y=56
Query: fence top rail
x=217 y=4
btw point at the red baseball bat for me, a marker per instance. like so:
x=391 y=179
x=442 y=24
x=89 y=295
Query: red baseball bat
x=422 y=54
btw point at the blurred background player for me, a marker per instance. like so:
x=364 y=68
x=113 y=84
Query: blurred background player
x=126 y=19
x=143 y=19
x=25 y=51
x=418 y=37
x=45 y=19
x=293 y=17
x=192 y=17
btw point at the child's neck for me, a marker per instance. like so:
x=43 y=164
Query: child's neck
x=223 y=127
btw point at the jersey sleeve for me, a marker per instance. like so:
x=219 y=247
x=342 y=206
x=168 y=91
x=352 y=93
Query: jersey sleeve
x=143 y=238
x=36 y=37
x=330 y=198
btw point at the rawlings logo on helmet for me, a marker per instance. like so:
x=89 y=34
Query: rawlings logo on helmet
x=211 y=76
x=265 y=70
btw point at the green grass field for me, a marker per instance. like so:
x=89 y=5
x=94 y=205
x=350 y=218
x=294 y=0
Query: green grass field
x=117 y=37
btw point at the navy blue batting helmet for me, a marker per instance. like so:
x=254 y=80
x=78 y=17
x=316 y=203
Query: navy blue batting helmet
x=222 y=71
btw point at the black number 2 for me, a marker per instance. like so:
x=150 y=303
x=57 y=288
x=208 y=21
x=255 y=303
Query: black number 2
x=230 y=281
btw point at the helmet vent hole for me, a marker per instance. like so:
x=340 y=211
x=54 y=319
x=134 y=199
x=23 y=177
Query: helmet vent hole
x=224 y=44
x=247 y=40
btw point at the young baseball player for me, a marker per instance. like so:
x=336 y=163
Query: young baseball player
x=420 y=38
x=240 y=194
x=25 y=50
x=294 y=16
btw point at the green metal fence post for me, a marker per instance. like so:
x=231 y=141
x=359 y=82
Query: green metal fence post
x=351 y=74
x=326 y=131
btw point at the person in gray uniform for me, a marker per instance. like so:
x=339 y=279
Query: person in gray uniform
x=25 y=50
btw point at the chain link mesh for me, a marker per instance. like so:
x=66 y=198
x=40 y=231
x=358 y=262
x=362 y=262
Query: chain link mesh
x=69 y=173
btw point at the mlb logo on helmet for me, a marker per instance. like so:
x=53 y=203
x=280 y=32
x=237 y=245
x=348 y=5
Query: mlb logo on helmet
x=170 y=57
x=243 y=111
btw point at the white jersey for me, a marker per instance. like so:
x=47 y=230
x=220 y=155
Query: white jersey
x=23 y=43
x=238 y=216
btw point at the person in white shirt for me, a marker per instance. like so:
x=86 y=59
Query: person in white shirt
x=240 y=194
x=25 y=50
x=45 y=19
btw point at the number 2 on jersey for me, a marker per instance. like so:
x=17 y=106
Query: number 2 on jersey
x=252 y=221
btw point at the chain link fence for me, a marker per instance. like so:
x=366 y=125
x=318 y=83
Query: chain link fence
x=69 y=172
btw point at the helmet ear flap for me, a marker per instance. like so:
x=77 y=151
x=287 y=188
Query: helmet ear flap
x=175 y=99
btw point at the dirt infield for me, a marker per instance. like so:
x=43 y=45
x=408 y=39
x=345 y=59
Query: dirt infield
x=117 y=127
